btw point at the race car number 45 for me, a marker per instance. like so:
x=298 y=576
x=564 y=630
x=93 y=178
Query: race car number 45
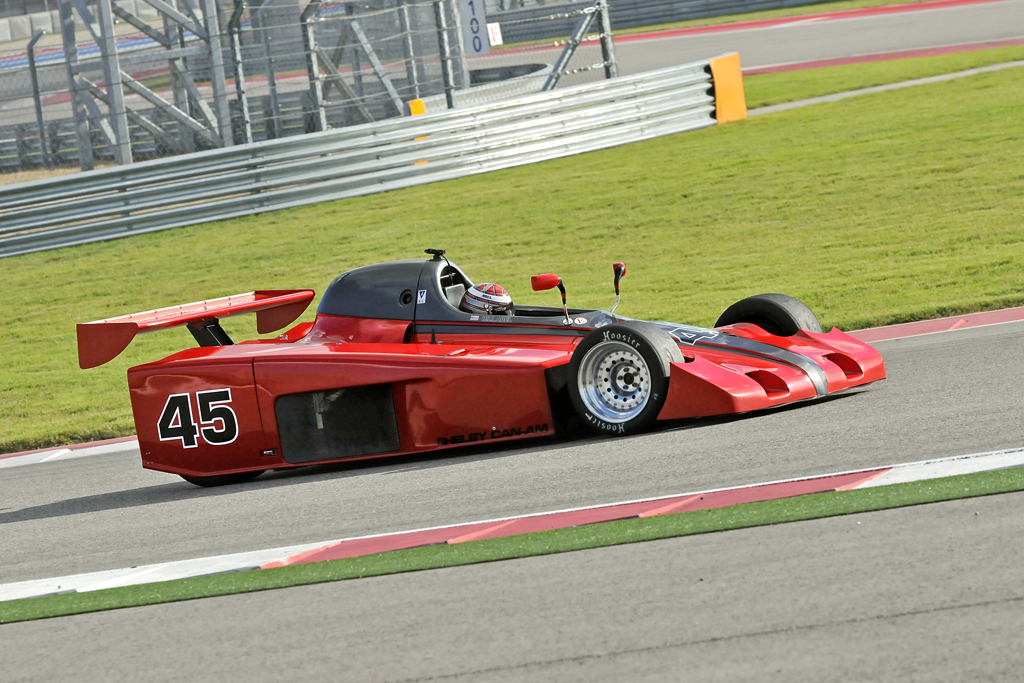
x=217 y=420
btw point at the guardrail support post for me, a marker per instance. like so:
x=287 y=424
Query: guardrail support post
x=316 y=87
x=460 y=39
x=408 y=50
x=611 y=65
x=357 y=66
x=44 y=157
x=112 y=79
x=446 y=53
x=234 y=29
x=578 y=34
x=275 y=104
x=211 y=23
x=377 y=66
x=82 y=135
x=177 y=35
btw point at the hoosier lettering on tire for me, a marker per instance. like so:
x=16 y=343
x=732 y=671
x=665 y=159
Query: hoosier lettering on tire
x=618 y=376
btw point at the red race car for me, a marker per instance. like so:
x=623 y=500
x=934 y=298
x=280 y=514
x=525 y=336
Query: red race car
x=411 y=356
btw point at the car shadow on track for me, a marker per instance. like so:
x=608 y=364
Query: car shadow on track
x=180 y=490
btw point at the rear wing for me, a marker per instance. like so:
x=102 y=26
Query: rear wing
x=102 y=340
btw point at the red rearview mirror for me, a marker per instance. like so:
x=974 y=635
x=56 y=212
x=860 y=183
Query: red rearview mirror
x=542 y=282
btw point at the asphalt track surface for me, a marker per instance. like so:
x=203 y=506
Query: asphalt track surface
x=929 y=593
x=818 y=39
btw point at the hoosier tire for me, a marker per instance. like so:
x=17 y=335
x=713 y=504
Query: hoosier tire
x=776 y=314
x=223 y=479
x=618 y=376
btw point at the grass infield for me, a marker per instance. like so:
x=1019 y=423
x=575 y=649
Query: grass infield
x=880 y=209
x=814 y=506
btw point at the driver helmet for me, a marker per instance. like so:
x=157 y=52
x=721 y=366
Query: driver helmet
x=487 y=298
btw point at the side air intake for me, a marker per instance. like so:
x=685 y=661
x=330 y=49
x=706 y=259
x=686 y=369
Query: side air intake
x=850 y=367
x=772 y=384
x=339 y=423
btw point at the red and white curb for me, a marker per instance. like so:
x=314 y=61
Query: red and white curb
x=511 y=526
x=956 y=322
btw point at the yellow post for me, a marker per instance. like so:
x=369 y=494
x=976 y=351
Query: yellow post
x=730 y=102
x=416 y=108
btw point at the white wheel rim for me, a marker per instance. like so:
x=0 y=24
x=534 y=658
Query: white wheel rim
x=614 y=382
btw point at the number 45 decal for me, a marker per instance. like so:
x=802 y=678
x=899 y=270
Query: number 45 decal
x=219 y=424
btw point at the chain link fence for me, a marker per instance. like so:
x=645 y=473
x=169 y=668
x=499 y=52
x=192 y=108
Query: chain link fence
x=288 y=69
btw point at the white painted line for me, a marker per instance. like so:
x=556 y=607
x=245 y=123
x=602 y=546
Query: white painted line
x=28 y=458
x=949 y=467
x=69 y=454
x=56 y=454
x=787 y=24
x=131 y=579
x=130 y=576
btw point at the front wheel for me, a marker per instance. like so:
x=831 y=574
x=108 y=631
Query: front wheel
x=618 y=376
x=223 y=479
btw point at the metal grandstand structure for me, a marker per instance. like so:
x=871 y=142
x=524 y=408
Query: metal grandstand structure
x=137 y=79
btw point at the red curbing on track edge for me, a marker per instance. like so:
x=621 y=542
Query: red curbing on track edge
x=72 y=447
x=956 y=322
x=562 y=520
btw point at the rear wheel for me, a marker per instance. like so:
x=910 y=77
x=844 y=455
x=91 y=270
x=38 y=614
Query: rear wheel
x=223 y=479
x=618 y=376
x=776 y=314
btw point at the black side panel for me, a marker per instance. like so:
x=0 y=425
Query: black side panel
x=343 y=423
x=567 y=422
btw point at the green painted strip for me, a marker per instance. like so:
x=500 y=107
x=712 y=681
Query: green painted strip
x=815 y=506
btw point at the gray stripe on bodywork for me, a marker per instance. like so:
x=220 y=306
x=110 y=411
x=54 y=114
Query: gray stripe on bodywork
x=700 y=336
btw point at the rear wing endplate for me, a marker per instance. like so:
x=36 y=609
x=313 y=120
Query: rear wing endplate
x=102 y=340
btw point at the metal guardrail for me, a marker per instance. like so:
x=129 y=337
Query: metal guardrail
x=358 y=160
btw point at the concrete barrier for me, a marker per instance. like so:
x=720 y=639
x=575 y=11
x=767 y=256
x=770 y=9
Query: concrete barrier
x=145 y=11
x=40 y=20
x=21 y=27
x=127 y=5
